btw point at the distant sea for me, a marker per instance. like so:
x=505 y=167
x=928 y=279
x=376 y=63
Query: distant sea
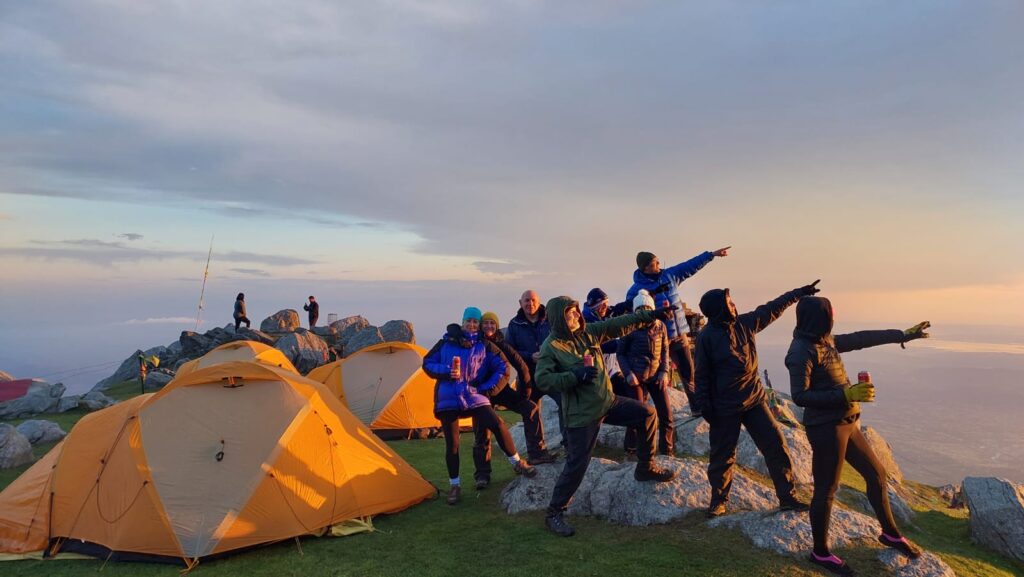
x=951 y=406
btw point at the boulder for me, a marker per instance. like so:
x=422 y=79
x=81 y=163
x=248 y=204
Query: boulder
x=368 y=336
x=95 y=400
x=898 y=501
x=348 y=328
x=40 y=431
x=193 y=345
x=549 y=420
x=68 y=403
x=283 y=321
x=304 y=349
x=789 y=533
x=952 y=495
x=400 y=331
x=883 y=451
x=609 y=491
x=15 y=450
x=41 y=397
x=157 y=380
x=5 y=376
x=799 y=450
x=928 y=565
x=997 y=514
x=129 y=368
x=244 y=334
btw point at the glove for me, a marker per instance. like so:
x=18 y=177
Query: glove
x=585 y=375
x=917 y=331
x=811 y=289
x=664 y=313
x=860 y=393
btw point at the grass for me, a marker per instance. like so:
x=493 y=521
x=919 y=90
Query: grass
x=478 y=538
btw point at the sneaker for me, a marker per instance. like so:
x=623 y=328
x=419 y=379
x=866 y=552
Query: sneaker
x=482 y=484
x=557 y=525
x=832 y=564
x=793 y=504
x=454 y=494
x=715 y=510
x=651 y=472
x=525 y=469
x=901 y=544
x=542 y=458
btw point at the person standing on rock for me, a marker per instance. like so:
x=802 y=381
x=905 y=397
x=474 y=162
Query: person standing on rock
x=818 y=382
x=466 y=367
x=663 y=285
x=643 y=358
x=314 y=311
x=729 y=393
x=570 y=363
x=239 y=314
x=526 y=331
x=514 y=399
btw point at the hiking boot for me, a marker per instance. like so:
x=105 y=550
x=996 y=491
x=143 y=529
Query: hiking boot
x=793 y=504
x=482 y=484
x=901 y=544
x=715 y=510
x=454 y=494
x=651 y=472
x=557 y=525
x=832 y=564
x=525 y=469
x=543 y=458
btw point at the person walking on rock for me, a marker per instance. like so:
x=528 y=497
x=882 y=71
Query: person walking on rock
x=466 y=367
x=314 y=311
x=643 y=358
x=819 y=383
x=663 y=285
x=729 y=393
x=239 y=314
x=570 y=363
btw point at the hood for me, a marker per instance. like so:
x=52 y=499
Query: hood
x=556 y=316
x=813 y=318
x=713 y=305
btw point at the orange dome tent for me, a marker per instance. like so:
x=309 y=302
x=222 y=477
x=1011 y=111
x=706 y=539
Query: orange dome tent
x=231 y=456
x=238 y=351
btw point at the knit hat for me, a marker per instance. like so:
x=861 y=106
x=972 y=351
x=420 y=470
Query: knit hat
x=471 y=313
x=595 y=297
x=643 y=299
x=489 y=316
x=643 y=259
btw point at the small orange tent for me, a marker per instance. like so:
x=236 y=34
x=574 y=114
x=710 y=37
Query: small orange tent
x=385 y=387
x=227 y=457
x=238 y=351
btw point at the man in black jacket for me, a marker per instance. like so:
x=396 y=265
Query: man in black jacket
x=729 y=393
x=514 y=399
x=314 y=311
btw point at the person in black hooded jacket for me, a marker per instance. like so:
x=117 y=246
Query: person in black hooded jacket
x=728 y=393
x=818 y=382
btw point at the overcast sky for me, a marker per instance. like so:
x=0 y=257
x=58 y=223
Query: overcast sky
x=403 y=159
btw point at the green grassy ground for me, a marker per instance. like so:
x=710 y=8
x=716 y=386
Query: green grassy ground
x=478 y=538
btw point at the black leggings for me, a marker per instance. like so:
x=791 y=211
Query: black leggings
x=240 y=320
x=682 y=358
x=484 y=417
x=662 y=405
x=831 y=444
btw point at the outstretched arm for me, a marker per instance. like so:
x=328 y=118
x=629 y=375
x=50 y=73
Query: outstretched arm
x=764 y=315
x=864 y=339
x=686 y=269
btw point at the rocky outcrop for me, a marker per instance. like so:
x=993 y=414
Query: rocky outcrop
x=304 y=349
x=157 y=380
x=348 y=328
x=883 y=451
x=95 y=400
x=366 y=337
x=283 y=321
x=899 y=501
x=41 y=397
x=398 y=331
x=129 y=368
x=40 y=431
x=997 y=514
x=68 y=403
x=928 y=565
x=15 y=450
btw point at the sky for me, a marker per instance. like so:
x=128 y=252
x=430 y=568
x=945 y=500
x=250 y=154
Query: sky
x=405 y=159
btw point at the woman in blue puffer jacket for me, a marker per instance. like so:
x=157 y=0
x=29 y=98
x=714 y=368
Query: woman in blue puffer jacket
x=460 y=389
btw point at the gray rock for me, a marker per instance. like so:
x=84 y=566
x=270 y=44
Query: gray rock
x=15 y=450
x=883 y=451
x=898 y=501
x=799 y=450
x=609 y=491
x=789 y=533
x=41 y=397
x=997 y=514
x=928 y=565
x=40 y=431
x=194 y=345
x=304 y=349
x=5 y=376
x=245 y=334
x=129 y=368
x=157 y=380
x=283 y=321
x=692 y=437
x=549 y=421
x=400 y=331
x=369 y=336
x=68 y=403
x=96 y=400
x=348 y=328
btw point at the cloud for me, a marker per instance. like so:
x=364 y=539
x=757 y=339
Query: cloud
x=130 y=236
x=251 y=271
x=160 y=321
x=104 y=253
x=496 y=267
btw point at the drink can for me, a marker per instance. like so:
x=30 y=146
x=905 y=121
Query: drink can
x=588 y=360
x=863 y=377
x=457 y=364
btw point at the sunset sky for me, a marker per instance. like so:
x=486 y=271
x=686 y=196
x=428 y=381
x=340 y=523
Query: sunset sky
x=404 y=159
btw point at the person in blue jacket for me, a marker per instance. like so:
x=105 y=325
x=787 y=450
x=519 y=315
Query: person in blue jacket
x=663 y=285
x=461 y=392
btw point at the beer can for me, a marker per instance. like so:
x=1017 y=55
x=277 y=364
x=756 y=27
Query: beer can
x=457 y=364
x=588 y=360
x=863 y=377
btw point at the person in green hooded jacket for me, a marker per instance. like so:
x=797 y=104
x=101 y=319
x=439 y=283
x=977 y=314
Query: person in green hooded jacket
x=571 y=364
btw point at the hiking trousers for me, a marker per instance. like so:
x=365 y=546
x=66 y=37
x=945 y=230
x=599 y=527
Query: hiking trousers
x=725 y=434
x=831 y=445
x=580 y=442
x=532 y=427
x=662 y=406
x=484 y=415
x=682 y=358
